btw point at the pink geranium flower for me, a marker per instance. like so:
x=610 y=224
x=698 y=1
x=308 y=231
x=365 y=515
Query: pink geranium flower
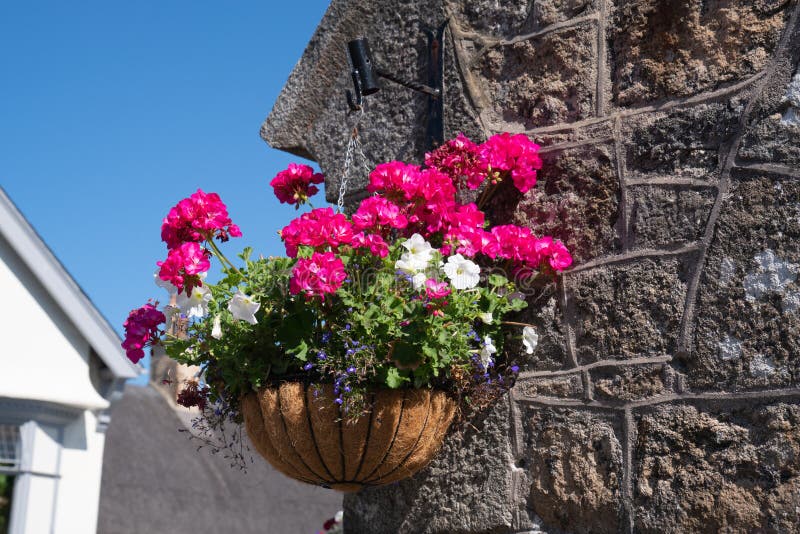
x=376 y=213
x=319 y=229
x=375 y=243
x=183 y=266
x=200 y=217
x=296 y=184
x=436 y=290
x=557 y=255
x=513 y=155
x=461 y=159
x=141 y=329
x=317 y=276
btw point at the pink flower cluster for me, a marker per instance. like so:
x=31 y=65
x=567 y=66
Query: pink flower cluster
x=317 y=276
x=459 y=158
x=375 y=243
x=377 y=214
x=410 y=200
x=436 y=290
x=141 y=329
x=183 y=266
x=200 y=217
x=513 y=154
x=426 y=197
x=519 y=244
x=319 y=229
x=296 y=184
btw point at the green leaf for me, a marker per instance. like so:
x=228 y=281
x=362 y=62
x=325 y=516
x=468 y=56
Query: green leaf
x=497 y=280
x=394 y=379
x=518 y=304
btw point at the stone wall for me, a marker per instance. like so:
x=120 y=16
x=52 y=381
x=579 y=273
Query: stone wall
x=665 y=393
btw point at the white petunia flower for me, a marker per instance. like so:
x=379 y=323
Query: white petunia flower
x=486 y=317
x=463 y=273
x=243 y=308
x=196 y=304
x=487 y=351
x=216 y=328
x=418 y=256
x=418 y=247
x=530 y=339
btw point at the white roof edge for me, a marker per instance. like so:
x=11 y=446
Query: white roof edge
x=62 y=288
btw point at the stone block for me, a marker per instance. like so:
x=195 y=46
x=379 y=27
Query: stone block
x=773 y=131
x=576 y=199
x=665 y=49
x=543 y=80
x=682 y=143
x=573 y=464
x=515 y=17
x=459 y=113
x=560 y=386
x=732 y=467
x=630 y=382
x=747 y=332
x=628 y=310
x=667 y=216
x=545 y=314
x=466 y=488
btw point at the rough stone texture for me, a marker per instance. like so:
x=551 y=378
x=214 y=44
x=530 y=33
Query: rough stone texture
x=773 y=134
x=664 y=392
x=543 y=80
x=677 y=48
x=576 y=200
x=563 y=386
x=748 y=327
x=683 y=143
x=666 y=216
x=436 y=500
x=516 y=17
x=632 y=382
x=718 y=469
x=573 y=461
x=628 y=311
x=551 y=353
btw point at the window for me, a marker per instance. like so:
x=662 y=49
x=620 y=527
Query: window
x=9 y=448
x=9 y=465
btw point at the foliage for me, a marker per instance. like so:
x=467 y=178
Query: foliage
x=408 y=292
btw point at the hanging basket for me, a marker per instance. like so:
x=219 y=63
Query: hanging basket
x=303 y=437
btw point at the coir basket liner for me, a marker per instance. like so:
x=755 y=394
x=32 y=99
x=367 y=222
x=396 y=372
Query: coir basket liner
x=302 y=435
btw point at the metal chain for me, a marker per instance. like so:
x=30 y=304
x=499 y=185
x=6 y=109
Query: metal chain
x=354 y=147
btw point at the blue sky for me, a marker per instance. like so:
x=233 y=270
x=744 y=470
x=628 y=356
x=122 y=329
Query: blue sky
x=111 y=112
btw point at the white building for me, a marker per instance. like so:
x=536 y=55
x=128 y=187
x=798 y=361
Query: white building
x=60 y=365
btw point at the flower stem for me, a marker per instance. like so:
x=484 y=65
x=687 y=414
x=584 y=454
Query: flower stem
x=514 y=323
x=218 y=253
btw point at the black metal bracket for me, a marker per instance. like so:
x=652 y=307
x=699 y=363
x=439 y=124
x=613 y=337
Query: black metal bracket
x=366 y=80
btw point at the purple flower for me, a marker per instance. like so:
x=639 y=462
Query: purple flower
x=351 y=369
x=347 y=389
x=347 y=326
x=515 y=369
x=338 y=400
x=326 y=337
x=308 y=366
x=322 y=356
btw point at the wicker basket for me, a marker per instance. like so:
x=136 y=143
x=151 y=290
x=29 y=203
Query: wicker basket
x=303 y=436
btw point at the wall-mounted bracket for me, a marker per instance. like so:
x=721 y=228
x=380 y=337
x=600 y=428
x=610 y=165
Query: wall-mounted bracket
x=366 y=80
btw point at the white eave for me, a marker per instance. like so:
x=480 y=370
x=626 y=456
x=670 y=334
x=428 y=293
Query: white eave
x=63 y=289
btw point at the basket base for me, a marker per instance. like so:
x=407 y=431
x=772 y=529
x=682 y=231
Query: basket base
x=347 y=487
